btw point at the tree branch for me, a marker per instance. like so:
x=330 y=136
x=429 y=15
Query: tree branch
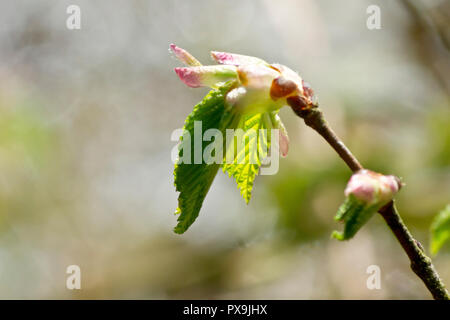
x=420 y=263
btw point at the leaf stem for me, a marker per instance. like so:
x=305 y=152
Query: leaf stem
x=420 y=263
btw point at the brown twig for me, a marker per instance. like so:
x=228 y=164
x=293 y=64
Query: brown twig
x=420 y=263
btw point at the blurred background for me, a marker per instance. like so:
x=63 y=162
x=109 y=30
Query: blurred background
x=86 y=118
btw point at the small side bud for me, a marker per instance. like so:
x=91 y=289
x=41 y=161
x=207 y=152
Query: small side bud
x=366 y=193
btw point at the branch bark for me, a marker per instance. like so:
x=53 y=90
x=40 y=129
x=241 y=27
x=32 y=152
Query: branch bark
x=420 y=263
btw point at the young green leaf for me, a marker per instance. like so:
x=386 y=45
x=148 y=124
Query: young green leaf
x=193 y=180
x=354 y=213
x=440 y=230
x=246 y=158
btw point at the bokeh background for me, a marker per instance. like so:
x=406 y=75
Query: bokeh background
x=86 y=118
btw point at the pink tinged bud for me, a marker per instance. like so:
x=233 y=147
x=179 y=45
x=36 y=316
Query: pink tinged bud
x=257 y=76
x=206 y=76
x=372 y=188
x=266 y=87
x=235 y=59
x=184 y=56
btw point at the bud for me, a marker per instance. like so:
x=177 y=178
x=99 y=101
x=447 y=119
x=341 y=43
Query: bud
x=366 y=193
x=258 y=86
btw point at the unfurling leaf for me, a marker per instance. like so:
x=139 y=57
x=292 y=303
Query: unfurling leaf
x=366 y=193
x=354 y=213
x=440 y=230
x=246 y=158
x=192 y=179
